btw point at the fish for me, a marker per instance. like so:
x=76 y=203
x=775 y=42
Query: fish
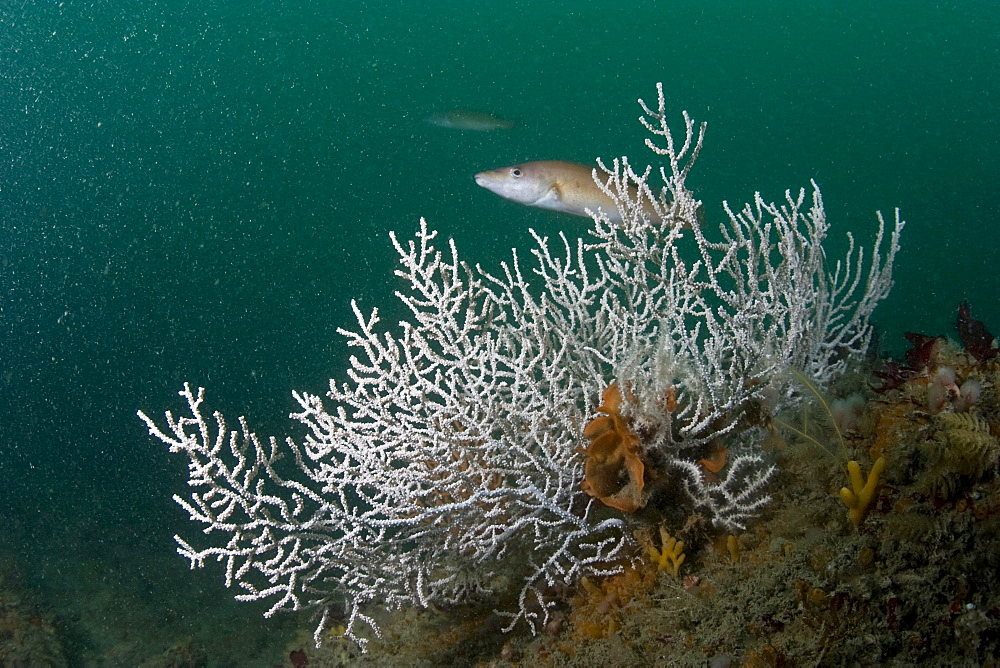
x=556 y=185
x=459 y=119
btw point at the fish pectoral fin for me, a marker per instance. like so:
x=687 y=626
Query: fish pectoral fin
x=552 y=196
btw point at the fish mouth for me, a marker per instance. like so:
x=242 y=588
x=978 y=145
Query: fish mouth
x=480 y=179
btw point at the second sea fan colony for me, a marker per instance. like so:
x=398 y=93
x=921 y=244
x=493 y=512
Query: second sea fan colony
x=503 y=441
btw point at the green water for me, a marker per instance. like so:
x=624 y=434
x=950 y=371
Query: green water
x=195 y=191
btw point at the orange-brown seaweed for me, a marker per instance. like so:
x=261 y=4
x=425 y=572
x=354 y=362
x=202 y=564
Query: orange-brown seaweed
x=614 y=472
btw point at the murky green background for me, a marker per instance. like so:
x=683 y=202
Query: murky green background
x=196 y=191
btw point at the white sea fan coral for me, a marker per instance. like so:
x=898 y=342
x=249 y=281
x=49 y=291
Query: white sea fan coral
x=450 y=459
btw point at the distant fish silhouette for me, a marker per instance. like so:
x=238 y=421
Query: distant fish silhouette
x=469 y=120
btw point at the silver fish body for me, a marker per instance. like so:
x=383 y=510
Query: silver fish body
x=557 y=185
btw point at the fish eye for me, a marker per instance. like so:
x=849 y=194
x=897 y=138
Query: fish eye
x=516 y=173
